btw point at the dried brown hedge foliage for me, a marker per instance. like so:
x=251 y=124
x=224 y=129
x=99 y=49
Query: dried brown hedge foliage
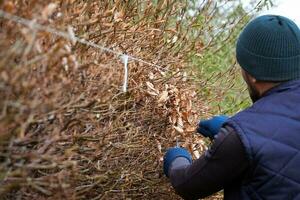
x=66 y=128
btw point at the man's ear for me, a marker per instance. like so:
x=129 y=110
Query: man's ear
x=253 y=80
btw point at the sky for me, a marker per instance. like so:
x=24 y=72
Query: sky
x=286 y=8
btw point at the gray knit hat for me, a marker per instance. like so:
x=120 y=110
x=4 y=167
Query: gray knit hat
x=269 y=49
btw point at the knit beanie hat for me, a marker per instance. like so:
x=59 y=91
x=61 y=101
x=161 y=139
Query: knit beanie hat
x=269 y=49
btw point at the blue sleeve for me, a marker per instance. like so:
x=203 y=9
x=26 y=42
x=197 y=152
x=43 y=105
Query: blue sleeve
x=212 y=172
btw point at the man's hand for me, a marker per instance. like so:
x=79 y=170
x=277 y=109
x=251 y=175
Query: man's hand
x=211 y=127
x=172 y=154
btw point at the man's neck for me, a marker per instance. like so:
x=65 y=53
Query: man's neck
x=264 y=87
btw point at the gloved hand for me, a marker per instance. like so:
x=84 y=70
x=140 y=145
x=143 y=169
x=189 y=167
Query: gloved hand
x=172 y=154
x=209 y=128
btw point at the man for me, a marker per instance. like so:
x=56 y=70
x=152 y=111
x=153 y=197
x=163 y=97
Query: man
x=256 y=153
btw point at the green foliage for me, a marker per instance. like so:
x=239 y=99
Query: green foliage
x=219 y=77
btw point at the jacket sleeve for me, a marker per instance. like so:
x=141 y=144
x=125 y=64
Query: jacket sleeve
x=223 y=164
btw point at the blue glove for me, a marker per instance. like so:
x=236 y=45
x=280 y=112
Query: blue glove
x=172 y=154
x=209 y=128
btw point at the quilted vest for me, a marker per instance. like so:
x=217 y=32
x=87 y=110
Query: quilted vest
x=270 y=133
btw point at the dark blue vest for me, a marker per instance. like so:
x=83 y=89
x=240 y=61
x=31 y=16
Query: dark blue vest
x=270 y=133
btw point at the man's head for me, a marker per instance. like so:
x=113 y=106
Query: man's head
x=268 y=50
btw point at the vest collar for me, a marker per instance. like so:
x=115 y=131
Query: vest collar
x=283 y=87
